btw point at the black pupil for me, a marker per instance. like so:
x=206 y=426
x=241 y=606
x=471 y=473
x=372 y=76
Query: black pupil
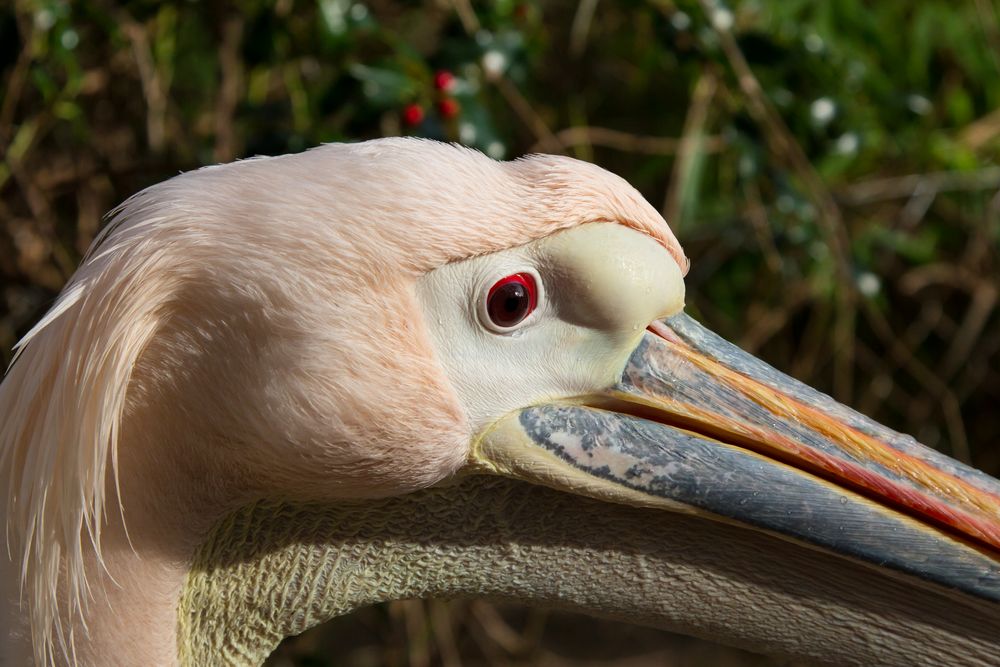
x=509 y=304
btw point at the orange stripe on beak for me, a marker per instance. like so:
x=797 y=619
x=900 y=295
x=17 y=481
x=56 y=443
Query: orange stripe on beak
x=797 y=433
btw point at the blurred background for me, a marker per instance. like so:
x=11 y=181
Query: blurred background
x=830 y=167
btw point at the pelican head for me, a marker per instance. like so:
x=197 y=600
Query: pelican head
x=281 y=389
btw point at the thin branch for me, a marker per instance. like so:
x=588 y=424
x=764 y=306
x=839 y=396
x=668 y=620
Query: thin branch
x=442 y=627
x=15 y=83
x=497 y=629
x=991 y=29
x=974 y=374
x=581 y=27
x=977 y=315
x=582 y=135
x=756 y=213
x=905 y=187
x=152 y=86
x=230 y=88
x=467 y=15
x=928 y=378
x=690 y=144
x=527 y=114
x=415 y=622
x=768 y=323
x=954 y=276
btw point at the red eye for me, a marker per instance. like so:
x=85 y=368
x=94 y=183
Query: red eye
x=511 y=300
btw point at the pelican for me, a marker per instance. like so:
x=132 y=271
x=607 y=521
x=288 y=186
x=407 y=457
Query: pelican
x=281 y=389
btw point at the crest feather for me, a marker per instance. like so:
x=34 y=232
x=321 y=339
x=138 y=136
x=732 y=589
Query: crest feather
x=62 y=400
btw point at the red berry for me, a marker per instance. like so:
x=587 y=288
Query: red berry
x=449 y=108
x=412 y=114
x=444 y=80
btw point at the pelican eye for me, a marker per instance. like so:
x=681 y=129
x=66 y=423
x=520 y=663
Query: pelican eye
x=511 y=300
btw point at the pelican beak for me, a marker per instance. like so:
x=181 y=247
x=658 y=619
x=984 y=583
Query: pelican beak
x=696 y=425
